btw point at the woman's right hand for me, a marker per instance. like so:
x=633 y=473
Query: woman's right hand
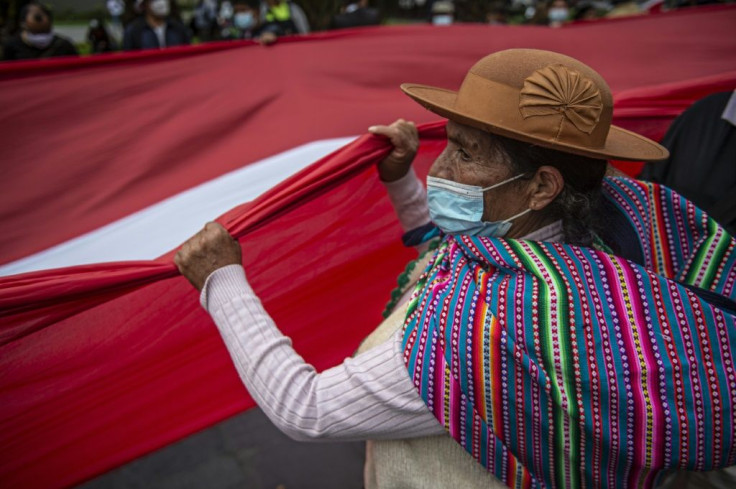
x=405 y=138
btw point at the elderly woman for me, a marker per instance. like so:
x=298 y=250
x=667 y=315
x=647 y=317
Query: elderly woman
x=565 y=330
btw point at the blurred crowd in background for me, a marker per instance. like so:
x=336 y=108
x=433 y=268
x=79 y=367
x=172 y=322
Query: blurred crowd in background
x=28 y=30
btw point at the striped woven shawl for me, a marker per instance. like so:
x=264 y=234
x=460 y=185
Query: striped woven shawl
x=563 y=366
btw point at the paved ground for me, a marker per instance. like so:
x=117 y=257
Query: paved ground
x=244 y=452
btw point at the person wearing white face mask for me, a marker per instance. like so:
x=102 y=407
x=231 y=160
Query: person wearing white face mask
x=37 y=39
x=242 y=21
x=156 y=28
x=540 y=343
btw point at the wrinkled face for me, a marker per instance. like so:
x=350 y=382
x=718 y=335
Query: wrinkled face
x=36 y=21
x=472 y=158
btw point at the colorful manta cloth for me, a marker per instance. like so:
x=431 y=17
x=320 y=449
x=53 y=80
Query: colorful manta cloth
x=564 y=366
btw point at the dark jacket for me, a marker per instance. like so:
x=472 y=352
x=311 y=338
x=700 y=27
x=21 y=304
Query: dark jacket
x=702 y=162
x=15 y=48
x=139 y=35
x=357 y=18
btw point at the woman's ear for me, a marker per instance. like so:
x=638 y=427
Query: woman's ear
x=545 y=186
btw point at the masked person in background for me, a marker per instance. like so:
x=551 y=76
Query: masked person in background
x=243 y=22
x=98 y=37
x=156 y=28
x=36 y=39
x=558 y=13
x=562 y=329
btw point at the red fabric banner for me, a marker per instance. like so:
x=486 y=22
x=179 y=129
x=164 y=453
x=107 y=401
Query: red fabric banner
x=98 y=369
x=102 y=363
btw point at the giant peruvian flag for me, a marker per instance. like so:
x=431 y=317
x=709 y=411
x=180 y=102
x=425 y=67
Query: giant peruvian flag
x=103 y=362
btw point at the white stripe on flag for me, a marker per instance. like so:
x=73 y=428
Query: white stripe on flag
x=153 y=231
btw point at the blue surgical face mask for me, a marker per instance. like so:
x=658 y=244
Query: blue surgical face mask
x=244 y=20
x=557 y=14
x=457 y=208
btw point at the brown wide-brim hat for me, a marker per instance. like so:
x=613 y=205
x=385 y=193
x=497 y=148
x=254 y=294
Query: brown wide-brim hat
x=543 y=98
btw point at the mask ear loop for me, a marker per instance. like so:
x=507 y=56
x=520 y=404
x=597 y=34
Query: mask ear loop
x=508 y=180
x=518 y=215
x=504 y=183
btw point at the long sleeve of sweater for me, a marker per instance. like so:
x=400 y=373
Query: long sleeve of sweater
x=367 y=397
x=409 y=198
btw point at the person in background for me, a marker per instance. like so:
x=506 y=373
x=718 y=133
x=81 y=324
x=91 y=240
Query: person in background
x=225 y=14
x=442 y=13
x=204 y=20
x=558 y=13
x=36 y=38
x=243 y=22
x=283 y=18
x=585 y=11
x=702 y=162
x=356 y=14
x=536 y=13
x=496 y=14
x=116 y=9
x=156 y=28
x=98 y=38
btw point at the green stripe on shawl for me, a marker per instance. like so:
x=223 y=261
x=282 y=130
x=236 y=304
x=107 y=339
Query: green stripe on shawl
x=708 y=266
x=568 y=372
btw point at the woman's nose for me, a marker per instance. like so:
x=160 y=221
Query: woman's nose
x=440 y=168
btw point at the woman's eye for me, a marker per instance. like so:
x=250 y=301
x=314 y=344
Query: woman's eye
x=463 y=155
